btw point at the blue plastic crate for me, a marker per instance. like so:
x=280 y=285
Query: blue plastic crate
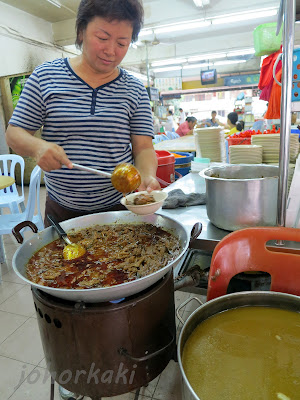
x=188 y=157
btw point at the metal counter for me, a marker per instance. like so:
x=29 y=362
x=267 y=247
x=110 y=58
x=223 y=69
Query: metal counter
x=188 y=216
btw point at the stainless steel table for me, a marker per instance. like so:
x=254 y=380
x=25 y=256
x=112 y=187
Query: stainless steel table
x=188 y=216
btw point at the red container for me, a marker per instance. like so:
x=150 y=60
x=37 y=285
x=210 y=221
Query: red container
x=233 y=141
x=166 y=167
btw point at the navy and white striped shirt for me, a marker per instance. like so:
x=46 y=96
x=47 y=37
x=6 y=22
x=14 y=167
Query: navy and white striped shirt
x=94 y=126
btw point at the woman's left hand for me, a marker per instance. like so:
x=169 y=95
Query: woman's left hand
x=149 y=183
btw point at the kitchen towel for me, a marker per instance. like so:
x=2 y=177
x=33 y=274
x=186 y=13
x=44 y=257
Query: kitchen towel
x=177 y=198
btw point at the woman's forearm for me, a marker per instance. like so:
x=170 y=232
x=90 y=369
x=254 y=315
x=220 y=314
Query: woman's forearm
x=49 y=156
x=146 y=162
x=22 y=141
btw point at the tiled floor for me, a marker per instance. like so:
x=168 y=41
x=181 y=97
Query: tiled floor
x=23 y=369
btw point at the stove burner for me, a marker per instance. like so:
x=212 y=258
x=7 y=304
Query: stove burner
x=108 y=349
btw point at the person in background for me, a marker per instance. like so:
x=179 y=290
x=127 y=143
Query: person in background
x=181 y=116
x=170 y=124
x=213 y=121
x=187 y=128
x=234 y=124
x=92 y=111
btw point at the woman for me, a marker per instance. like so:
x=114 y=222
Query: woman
x=233 y=123
x=92 y=112
x=187 y=128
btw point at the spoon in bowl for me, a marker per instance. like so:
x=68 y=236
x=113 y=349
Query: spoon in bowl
x=125 y=177
x=72 y=250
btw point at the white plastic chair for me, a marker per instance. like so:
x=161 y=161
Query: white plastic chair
x=9 y=221
x=9 y=197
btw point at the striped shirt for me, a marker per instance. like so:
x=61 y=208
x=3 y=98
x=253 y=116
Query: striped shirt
x=94 y=127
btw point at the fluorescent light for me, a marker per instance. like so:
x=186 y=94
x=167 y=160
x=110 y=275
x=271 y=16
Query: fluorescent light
x=168 y=62
x=175 y=68
x=241 y=52
x=227 y=62
x=201 y=3
x=254 y=14
x=206 y=57
x=187 y=25
x=203 y=65
x=56 y=3
x=138 y=75
x=145 y=32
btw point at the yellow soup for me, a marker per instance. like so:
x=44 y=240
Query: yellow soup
x=249 y=353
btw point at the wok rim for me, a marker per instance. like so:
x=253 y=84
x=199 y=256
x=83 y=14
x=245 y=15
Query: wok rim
x=106 y=288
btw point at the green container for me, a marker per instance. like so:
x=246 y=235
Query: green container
x=265 y=40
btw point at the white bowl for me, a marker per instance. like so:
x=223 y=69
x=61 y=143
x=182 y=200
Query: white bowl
x=145 y=209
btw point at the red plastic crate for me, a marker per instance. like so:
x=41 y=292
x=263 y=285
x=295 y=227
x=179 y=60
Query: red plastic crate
x=233 y=141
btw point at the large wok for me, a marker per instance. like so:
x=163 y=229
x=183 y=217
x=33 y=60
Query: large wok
x=28 y=248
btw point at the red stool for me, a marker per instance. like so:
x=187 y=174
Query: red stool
x=246 y=250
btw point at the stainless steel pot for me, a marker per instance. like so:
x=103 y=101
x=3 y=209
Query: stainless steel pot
x=241 y=196
x=25 y=252
x=269 y=299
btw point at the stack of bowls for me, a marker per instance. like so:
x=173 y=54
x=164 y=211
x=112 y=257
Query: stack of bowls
x=210 y=143
x=245 y=154
x=271 y=145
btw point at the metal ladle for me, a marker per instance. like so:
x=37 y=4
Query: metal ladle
x=72 y=250
x=125 y=177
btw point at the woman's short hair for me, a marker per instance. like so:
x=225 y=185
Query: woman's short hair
x=120 y=10
x=191 y=119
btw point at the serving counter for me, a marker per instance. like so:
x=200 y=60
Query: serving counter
x=188 y=216
x=201 y=249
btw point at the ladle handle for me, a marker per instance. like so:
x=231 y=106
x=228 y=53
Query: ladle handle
x=58 y=228
x=93 y=170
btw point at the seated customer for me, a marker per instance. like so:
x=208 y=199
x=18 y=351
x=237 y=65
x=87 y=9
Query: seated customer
x=187 y=128
x=234 y=124
x=213 y=121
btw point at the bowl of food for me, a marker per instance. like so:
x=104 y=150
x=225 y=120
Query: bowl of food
x=144 y=203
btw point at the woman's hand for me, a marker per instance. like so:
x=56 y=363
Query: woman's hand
x=50 y=156
x=149 y=183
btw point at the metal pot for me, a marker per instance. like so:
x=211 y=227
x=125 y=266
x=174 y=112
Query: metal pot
x=269 y=299
x=241 y=196
x=25 y=252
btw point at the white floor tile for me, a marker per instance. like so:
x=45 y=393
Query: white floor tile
x=20 y=303
x=36 y=386
x=11 y=373
x=169 y=384
x=8 y=289
x=11 y=276
x=9 y=323
x=24 y=344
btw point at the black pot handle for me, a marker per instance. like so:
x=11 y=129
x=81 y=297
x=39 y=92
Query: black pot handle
x=124 y=352
x=21 y=225
x=196 y=230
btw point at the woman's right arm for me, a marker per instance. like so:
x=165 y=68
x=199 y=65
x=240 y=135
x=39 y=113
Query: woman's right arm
x=48 y=156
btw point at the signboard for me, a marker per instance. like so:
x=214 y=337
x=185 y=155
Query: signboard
x=241 y=80
x=165 y=84
x=153 y=93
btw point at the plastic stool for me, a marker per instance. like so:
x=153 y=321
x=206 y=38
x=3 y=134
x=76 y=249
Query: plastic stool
x=245 y=250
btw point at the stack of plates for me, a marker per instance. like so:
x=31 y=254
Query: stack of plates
x=291 y=173
x=271 y=144
x=210 y=143
x=245 y=154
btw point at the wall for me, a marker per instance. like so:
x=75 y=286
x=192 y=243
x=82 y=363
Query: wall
x=25 y=42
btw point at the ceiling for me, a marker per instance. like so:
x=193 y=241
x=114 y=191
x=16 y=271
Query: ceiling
x=212 y=39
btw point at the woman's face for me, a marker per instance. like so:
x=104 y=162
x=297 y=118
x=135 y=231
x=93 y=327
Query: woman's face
x=105 y=43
